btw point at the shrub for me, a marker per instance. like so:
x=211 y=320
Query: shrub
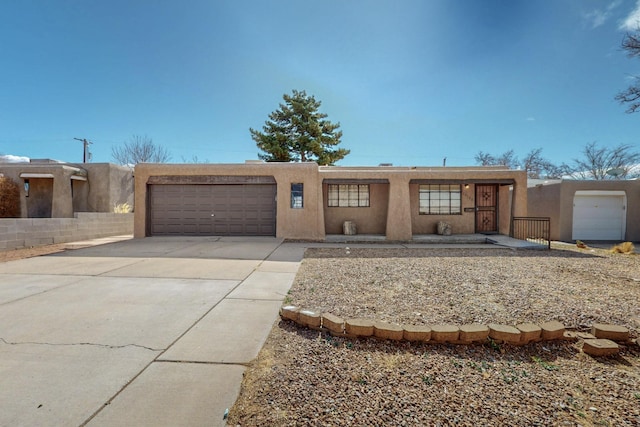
x=623 y=248
x=121 y=208
x=9 y=198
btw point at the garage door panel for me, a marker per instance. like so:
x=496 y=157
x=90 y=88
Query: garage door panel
x=599 y=217
x=243 y=209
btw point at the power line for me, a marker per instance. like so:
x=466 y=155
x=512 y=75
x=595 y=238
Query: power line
x=86 y=153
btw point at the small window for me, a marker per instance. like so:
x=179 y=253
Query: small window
x=297 y=195
x=348 y=195
x=440 y=199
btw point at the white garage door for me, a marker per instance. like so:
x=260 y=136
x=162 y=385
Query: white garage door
x=599 y=215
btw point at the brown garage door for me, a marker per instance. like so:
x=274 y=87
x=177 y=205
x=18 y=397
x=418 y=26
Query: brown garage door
x=213 y=210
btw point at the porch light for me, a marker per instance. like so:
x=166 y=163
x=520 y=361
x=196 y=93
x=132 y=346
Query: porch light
x=466 y=186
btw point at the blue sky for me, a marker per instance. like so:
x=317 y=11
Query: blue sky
x=411 y=82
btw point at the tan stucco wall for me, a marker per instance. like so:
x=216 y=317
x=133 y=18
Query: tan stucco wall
x=49 y=197
x=403 y=219
x=543 y=201
x=556 y=202
x=39 y=202
x=393 y=209
x=369 y=220
x=463 y=223
x=107 y=185
x=305 y=223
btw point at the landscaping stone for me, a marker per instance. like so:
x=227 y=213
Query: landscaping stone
x=359 y=327
x=289 y=312
x=443 y=228
x=506 y=333
x=416 y=333
x=552 y=330
x=610 y=332
x=529 y=332
x=387 y=331
x=600 y=347
x=444 y=333
x=473 y=332
x=333 y=323
x=309 y=318
x=577 y=335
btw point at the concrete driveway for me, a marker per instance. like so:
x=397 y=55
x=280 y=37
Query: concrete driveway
x=147 y=332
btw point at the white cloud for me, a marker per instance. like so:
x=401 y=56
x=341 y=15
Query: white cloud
x=598 y=17
x=632 y=21
x=9 y=158
x=531 y=119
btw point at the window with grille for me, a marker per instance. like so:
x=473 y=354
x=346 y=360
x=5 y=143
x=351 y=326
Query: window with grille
x=440 y=199
x=297 y=191
x=348 y=195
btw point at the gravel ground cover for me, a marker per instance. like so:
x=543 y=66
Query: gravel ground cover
x=305 y=377
x=15 y=254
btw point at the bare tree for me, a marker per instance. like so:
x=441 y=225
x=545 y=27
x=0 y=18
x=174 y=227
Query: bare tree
x=194 y=159
x=535 y=165
x=485 y=159
x=602 y=163
x=507 y=159
x=631 y=95
x=538 y=167
x=139 y=149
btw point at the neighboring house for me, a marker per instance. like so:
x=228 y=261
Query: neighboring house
x=588 y=209
x=51 y=189
x=307 y=201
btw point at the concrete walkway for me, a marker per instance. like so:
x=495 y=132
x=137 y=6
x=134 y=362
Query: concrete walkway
x=146 y=332
x=149 y=332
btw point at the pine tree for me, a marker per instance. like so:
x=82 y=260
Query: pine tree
x=298 y=132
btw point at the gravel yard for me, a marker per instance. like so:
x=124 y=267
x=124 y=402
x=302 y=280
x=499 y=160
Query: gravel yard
x=305 y=377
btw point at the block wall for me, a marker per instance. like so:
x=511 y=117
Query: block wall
x=29 y=232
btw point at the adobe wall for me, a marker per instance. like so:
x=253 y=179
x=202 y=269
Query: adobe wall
x=631 y=188
x=464 y=223
x=556 y=202
x=108 y=185
x=543 y=201
x=369 y=220
x=403 y=218
x=305 y=223
x=59 y=197
x=393 y=211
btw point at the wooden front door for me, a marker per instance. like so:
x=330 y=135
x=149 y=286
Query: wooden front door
x=486 y=208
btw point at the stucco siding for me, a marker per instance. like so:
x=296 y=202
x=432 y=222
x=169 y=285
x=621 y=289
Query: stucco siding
x=556 y=201
x=369 y=220
x=463 y=223
x=108 y=185
x=40 y=198
x=543 y=202
x=393 y=209
x=291 y=223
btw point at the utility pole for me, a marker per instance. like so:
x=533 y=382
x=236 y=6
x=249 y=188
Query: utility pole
x=86 y=154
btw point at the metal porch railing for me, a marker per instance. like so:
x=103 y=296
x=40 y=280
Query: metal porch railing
x=532 y=229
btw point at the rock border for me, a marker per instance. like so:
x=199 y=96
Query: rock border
x=600 y=342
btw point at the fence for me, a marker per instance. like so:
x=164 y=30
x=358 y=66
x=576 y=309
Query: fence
x=28 y=232
x=532 y=229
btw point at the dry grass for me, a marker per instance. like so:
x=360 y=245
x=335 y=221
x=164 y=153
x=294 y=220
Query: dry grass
x=623 y=248
x=122 y=208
